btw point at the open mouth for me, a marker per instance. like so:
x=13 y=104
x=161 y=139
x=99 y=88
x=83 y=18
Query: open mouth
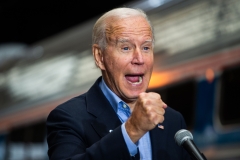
x=134 y=79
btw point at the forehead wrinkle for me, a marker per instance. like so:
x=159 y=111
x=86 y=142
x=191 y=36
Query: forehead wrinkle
x=137 y=31
x=111 y=32
x=114 y=32
x=123 y=37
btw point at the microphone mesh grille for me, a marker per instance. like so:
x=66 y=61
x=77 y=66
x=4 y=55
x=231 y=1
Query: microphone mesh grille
x=182 y=135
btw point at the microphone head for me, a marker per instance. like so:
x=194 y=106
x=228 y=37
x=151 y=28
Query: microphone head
x=182 y=135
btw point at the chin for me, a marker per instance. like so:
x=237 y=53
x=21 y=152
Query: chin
x=135 y=94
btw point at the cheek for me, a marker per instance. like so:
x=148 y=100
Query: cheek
x=120 y=62
x=109 y=61
x=149 y=62
x=113 y=65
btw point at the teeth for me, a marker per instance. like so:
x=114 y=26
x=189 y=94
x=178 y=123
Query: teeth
x=139 y=80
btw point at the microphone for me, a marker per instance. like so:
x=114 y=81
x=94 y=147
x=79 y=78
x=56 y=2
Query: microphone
x=184 y=138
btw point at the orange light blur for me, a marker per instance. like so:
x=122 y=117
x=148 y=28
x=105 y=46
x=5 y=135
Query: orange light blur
x=209 y=75
x=158 y=80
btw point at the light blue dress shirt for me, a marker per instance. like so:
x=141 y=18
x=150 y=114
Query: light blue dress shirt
x=123 y=111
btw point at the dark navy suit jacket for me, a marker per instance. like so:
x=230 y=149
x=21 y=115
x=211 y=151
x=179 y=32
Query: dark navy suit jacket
x=79 y=129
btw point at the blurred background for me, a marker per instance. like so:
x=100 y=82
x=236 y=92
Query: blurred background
x=45 y=59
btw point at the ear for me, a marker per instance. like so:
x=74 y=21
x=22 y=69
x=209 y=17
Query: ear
x=98 y=56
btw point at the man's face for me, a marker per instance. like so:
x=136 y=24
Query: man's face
x=127 y=62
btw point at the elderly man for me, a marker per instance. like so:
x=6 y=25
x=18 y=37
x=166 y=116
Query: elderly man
x=117 y=119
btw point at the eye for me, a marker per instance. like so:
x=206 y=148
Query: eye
x=146 y=48
x=126 y=48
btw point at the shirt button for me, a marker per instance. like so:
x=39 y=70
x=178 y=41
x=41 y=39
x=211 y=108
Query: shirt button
x=124 y=106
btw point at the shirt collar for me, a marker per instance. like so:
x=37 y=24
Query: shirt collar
x=110 y=95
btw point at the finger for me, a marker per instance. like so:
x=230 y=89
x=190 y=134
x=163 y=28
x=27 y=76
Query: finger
x=164 y=105
x=160 y=111
x=151 y=95
x=154 y=95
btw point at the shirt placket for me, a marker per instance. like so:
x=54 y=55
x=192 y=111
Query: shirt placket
x=125 y=112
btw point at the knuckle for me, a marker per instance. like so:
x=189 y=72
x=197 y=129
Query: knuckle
x=163 y=111
x=142 y=95
x=163 y=118
x=159 y=96
x=148 y=110
x=147 y=102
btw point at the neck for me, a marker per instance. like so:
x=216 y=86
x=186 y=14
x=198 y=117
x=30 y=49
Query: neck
x=131 y=105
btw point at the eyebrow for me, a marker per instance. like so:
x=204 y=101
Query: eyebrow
x=149 y=41
x=122 y=40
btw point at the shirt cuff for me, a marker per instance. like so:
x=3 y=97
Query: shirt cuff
x=132 y=147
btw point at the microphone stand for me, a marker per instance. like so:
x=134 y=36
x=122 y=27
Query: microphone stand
x=190 y=147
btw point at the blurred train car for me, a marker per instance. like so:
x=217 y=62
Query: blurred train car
x=206 y=92
x=196 y=71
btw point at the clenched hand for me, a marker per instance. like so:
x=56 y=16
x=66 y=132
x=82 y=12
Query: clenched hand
x=148 y=112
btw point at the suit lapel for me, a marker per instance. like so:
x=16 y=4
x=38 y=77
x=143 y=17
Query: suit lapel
x=97 y=105
x=158 y=142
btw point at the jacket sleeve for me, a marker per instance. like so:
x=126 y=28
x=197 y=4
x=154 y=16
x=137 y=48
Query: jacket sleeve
x=67 y=140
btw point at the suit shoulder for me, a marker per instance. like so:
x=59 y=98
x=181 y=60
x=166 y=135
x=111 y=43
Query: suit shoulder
x=174 y=116
x=172 y=112
x=73 y=105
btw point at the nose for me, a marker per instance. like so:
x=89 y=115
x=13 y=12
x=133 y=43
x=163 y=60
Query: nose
x=138 y=58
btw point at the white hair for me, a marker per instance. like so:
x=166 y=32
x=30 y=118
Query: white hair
x=99 y=29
